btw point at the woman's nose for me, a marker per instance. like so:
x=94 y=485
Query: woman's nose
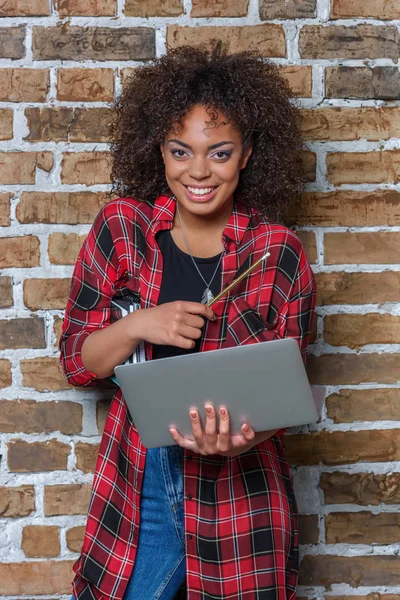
x=199 y=168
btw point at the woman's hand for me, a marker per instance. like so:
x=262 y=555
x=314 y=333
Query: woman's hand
x=210 y=441
x=173 y=323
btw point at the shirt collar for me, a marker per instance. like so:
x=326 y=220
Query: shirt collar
x=164 y=211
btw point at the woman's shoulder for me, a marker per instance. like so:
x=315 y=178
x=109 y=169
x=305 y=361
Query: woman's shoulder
x=128 y=208
x=276 y=233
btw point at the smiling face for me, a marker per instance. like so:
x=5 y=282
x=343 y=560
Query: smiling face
x=203 y=163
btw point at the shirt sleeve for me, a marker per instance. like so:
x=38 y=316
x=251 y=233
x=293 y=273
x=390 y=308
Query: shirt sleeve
x=301 y=306
x=88 y=305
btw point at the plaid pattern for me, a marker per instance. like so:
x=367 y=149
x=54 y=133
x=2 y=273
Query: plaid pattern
x=240 y=513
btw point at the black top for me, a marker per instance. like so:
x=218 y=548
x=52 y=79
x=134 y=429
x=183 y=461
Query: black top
x=181 y=281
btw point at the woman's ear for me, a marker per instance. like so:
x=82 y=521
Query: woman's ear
x=162 y=150
x=246 y=155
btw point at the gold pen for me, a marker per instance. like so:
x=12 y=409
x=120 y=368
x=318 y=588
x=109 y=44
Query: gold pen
x=235 y=281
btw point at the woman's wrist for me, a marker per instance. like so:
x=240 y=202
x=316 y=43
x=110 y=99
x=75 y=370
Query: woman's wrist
x=135 y=326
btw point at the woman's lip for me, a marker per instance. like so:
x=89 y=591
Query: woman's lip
x=203 y=197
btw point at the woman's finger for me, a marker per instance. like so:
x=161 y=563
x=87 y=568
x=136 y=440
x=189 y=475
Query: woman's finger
x=197 y=428
x=193 y=321
x=183 y=442
x=224 y=438
x=247 y=432
x=192 y=333
x=210 y=427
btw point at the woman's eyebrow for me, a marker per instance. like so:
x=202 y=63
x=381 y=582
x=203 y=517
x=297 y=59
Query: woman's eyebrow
x=212 y=147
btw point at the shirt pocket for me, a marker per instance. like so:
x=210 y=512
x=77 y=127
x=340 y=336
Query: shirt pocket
x=247 y=326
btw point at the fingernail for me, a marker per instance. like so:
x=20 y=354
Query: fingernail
x=193 y=414
x=222 y=412
x=209 y=410
x=246 y=428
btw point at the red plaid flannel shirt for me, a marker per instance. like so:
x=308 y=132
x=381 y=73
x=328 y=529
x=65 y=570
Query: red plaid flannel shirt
x=240 y=513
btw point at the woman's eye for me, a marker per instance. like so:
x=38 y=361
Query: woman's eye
x=178 y=153
x=222 y=155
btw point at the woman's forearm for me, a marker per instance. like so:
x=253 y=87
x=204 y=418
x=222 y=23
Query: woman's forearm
x=106 y=348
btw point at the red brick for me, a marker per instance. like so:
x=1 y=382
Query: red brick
x=358 y=288
x=48 y=124
x=46 y=294
x=287 y=9
x=24 y=8
x=382 y=83
x=74 y=537
x=24 y=85
x=57 y=328
x=20 y=167
x=344 y=208
x=19 y=252
x=43 y=374
x=60 y=207
x=66 y=499
x=358 y=41
x=90 y=85
x=17 y=501
x=22 y=333
x=341 y=124
x=220 y=8
x=362 y=528
x=5 y=218
x=6 y=124
x=36 y=577
x=365 y=489
x=343 y=447
x=90 y=125
x=348 y=406
x=370 y=9
x=40 y=541
x=5 y=373
x=64 y=247
x=12 y=42
x=86 y=456
x=309 y=242
x=89 y=168
x=102 y=408
x=308 y=529
x=355 y=331
x=61 y=124
x=87 y=8
x=153 y=8
x=347 y=369
x=299 y=78
x=93 y=43
x=356 y=571
x=30 y=416
x=268 y=40
x=363 y=167
x=362 y=247
x=6 y=292
x=35 y=457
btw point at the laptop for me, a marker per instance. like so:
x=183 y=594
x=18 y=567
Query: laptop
x=263 y=384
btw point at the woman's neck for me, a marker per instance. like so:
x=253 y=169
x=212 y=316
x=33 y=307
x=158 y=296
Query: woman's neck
x=204 y=234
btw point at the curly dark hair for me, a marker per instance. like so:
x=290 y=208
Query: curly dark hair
x=248 y=89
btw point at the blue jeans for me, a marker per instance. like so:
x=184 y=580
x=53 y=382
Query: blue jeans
x=160 y=565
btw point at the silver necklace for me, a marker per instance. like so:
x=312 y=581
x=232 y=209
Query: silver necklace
x=207 y=294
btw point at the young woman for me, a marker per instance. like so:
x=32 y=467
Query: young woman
x=204 y=145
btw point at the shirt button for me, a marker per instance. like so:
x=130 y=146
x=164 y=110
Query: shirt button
x=189 y=537
x=189 y=496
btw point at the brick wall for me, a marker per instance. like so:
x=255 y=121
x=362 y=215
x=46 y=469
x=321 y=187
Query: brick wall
x=60 y=66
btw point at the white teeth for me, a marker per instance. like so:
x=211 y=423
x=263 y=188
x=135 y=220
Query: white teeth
x=200 y=191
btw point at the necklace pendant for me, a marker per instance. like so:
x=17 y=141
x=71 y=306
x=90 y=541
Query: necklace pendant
x=207 y=296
